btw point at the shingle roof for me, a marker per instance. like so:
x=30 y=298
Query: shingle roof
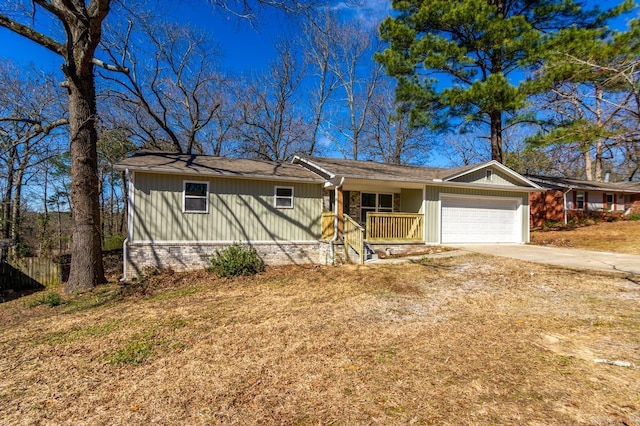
x=554 y=182
x=216 y=166
x=381 y=171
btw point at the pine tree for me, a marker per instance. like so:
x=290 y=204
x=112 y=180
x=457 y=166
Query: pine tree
x=465 y=58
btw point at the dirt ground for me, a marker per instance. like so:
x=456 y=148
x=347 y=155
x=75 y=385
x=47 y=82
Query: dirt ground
x=619 y=237
x=470 y=340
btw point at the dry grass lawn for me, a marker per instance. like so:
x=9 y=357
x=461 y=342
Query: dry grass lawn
x=471 y=340
x=619 y=237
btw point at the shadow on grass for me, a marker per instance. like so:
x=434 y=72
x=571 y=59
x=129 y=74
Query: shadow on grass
x=100 y=296
x=9 y=295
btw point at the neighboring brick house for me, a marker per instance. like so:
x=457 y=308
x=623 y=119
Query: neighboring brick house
x=566 y=198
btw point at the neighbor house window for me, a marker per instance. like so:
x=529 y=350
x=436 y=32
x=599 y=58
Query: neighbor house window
x=371 y=202
x=283 y=197
x=195 y=197
x=580 y=201
x=489 y=175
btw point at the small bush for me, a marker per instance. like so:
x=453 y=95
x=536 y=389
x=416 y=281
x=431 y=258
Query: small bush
x=113 y=242
x=236 y=260
x=634 y=216
x=51 y=299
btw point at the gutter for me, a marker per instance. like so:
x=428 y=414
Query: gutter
x=332 y=249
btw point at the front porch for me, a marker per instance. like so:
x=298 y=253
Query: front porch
x=379 y=228
x=370 y=214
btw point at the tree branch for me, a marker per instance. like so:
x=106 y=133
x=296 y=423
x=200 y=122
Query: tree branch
x=110 y=67
x=32 y=35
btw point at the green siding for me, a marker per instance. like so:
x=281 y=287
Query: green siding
x=411 y=200
x=432 y=225
x=479 y=176
x=239 y=210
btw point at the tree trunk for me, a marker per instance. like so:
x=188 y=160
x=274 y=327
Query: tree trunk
x=15 y=210
x=8 y=195
x=44 y=243
x=598 y=158
x=588 y=166
x=496 y=135
x=86 y=251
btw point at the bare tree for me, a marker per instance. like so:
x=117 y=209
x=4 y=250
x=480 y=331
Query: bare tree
x=272 y=127
x=170 y=90
x=389 y=135
x=463 y=149
x=318 y=49
x=30 y=116
x=351 y=48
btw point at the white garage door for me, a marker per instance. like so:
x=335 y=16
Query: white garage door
x=480 y=220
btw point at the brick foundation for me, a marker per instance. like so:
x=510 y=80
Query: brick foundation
x=191 y=256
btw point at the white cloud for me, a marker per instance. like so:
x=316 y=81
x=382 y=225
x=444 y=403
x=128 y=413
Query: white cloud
x=368 y=13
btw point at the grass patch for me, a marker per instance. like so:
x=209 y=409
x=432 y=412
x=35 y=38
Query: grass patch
x=93 y=330
x=618 y=237
x=135 y=351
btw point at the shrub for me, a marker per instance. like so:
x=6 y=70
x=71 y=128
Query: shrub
x=634 y=216
x=235 y=260
x=50 y=299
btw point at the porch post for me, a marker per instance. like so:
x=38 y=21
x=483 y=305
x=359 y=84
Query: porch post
x=340 y=210
x=424 y=214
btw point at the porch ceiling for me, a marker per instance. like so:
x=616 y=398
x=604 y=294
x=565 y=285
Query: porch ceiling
x=378 y=185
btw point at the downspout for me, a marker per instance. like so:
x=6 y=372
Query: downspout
x=332 y=250
x=124 y=260
x=126 y=240
x=564 y=206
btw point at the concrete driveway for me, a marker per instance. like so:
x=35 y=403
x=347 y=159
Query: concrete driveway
x=570 y=258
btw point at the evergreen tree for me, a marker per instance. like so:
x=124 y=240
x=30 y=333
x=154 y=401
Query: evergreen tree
x=590 y=97
x=464 y=58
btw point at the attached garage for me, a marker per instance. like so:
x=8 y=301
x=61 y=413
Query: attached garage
x=480 y=220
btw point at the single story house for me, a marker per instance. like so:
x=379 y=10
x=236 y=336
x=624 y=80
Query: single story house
x=181 y=208
x=567 y=198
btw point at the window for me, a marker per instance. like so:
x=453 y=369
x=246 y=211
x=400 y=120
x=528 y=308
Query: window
x=371 y=202
x=283 y=197
x=489 y=175
x=580 y=201
x=610 y=202
x=195 y=197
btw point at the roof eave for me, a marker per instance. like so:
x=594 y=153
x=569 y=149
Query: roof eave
x=581 y=187
x=160 y=170
x=502 y=167
x=506 y=188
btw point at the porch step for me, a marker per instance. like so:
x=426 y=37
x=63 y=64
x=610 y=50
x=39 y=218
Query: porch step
x=370 y=253
x=369 y=256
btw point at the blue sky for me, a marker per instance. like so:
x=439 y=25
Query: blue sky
x=245 y=47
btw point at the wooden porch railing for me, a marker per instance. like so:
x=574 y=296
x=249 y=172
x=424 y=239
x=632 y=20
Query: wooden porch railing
x=395 y=227
x=354 y=238
x=327 y=225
